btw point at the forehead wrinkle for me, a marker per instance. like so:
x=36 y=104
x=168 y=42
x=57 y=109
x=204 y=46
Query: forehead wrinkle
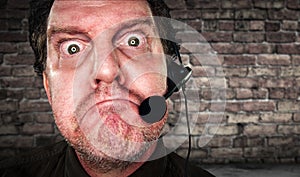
x=91 y=14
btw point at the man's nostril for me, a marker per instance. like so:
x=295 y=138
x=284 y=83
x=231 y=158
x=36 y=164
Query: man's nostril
x=97 y=81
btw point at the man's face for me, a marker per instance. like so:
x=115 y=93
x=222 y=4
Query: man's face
x=104 y=58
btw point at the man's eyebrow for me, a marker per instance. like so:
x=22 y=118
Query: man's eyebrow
x=67 y=30
x=132 y=24
x=75 y=30
x=136 y=22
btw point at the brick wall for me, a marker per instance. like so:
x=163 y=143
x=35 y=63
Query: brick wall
x=258 y=45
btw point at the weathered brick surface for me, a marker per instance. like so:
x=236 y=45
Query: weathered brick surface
x=256 y=44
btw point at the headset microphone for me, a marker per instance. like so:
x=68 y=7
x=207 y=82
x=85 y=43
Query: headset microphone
x=154 y=108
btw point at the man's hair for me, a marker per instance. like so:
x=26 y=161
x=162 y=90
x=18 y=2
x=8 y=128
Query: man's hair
x=38 y=19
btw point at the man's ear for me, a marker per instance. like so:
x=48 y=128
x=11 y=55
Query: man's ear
x=46 y=87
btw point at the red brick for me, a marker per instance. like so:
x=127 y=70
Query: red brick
x=262 y=130
x=212 y=4
x=8 y=47
x=203 y=71
x=244 y=141
x=296 y=60
x=18 y=82
x=275 y=118
x=236 y=4
x=280 y=141
x=24 y=48
x=185 y=14
x=289 y=106
x=280 y=37
x=283 y=14
x=13 y=37
x=281 y=60
x=292 y=93
x=36 y=106
x=241 y=25
x=210 y=14
x=4 y=25
x=210 y=25
x=260 y=93
x=196 y=24
x=287 y=71
x=37 y=128
x=226 y=152
x=226 y=25
x=254 y=14
x=190 y=37
x=272 y=26
x=8 y=130
x=8 y=106
x=226 y=14
x=249 y=37
x=257 y=25
x=242 y=118
x=196 y=48
x=175 y=4
x=205 y=60
x=257 y=48
x=289 y=129
x=244 y=93
x=255 y=142
x=230 y=72
x=23 y=71
x=229 y=48
x=5 y=71
x=258 y=106
x=217 y=36
x=254 y=72
x=277 y=93
x=32 y=93
x=15 y=4
x=290 y=25
x=260 y=152
x=276 y=83
x=296 y=117
x=243 y=82
x=269 y=4
x=218 y=141
x=239 y=60
x=292 y=4
x=223 y=130
x=14 y=59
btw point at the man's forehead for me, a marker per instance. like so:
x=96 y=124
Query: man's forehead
x=87 y=2
x=97 y=12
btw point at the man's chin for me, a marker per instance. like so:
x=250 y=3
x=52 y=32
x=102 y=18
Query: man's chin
x=105 y=163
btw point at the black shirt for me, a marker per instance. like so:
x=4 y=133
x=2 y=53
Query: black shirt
x=60 y=160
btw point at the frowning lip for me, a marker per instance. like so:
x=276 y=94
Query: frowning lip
x=111 y=100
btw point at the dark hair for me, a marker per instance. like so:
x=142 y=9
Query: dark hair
x=38 y=18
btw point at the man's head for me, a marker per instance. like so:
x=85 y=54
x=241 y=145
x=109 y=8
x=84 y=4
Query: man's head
x=38 y=20
x=100 y=59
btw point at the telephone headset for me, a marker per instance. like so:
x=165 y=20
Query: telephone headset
x=153 y=108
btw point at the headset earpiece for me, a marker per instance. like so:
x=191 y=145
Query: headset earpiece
x=177 y=76
x=177 y=73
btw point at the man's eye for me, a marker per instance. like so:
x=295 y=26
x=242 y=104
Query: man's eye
x=70 y=48
x=133 y=41
x=74 y=48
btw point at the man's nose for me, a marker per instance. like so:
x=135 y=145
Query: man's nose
x=107 y=70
